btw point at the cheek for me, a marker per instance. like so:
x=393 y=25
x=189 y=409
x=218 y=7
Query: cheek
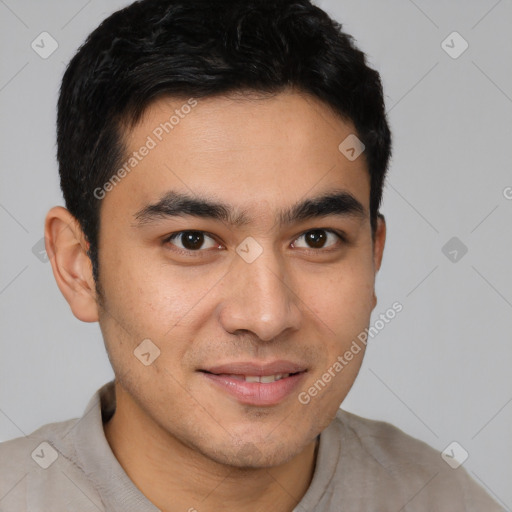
x=341 y=298
x=140 y=290
x=149 y=298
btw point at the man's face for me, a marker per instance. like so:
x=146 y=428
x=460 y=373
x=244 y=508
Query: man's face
x=229 y=299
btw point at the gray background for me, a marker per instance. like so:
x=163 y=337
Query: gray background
x=441 y=369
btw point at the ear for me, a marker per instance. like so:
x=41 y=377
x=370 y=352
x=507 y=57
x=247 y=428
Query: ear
x=379 y=241
x=66 y=246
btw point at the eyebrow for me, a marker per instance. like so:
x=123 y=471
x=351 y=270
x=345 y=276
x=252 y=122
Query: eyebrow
x=176 y=204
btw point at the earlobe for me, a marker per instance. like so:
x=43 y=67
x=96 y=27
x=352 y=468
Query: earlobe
x=66 y=247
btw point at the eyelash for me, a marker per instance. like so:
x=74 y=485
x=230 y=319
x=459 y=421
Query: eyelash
x=340 y=234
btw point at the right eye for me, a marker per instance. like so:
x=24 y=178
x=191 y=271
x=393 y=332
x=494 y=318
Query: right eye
x=191 y=241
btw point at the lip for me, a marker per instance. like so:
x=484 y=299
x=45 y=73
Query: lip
x=256 y=393
x=253 y=368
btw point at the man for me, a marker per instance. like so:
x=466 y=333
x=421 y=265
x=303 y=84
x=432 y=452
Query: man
x=222 y=165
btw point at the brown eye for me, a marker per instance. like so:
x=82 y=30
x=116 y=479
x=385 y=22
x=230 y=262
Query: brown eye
x=191 y=240
x=319 y=238
x=316 y=239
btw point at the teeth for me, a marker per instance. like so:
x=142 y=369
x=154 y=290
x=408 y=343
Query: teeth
x=266 y=379
x=269 y=378
x=236 y=377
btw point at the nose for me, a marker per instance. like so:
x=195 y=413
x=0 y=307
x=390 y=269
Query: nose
x=258 y=298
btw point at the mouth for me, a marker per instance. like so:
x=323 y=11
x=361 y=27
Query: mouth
x=264 y=379
x=257 y=369
x=256 y=384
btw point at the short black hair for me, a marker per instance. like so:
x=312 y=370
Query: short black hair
x=205 y=48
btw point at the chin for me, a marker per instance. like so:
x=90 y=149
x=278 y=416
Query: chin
x=256 y=454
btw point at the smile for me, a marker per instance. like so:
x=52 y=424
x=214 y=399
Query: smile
x=264 y=379
x=257 y=390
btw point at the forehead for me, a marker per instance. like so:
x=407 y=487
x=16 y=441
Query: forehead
x=250 y=151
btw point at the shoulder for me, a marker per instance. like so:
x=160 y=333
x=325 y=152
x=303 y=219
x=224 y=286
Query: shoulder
x=387 y=444
x=23 y=452
x=403 y=470
x=36 y=468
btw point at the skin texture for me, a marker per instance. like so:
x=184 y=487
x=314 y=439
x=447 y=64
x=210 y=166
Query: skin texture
x=184 y=442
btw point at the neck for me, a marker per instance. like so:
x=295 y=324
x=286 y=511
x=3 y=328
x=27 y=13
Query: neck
x=173 y=476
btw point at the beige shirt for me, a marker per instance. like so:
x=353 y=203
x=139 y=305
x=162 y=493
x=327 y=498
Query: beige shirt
x=362 y=465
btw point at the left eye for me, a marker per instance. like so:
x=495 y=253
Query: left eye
x=192 y=240
x=317 y=238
